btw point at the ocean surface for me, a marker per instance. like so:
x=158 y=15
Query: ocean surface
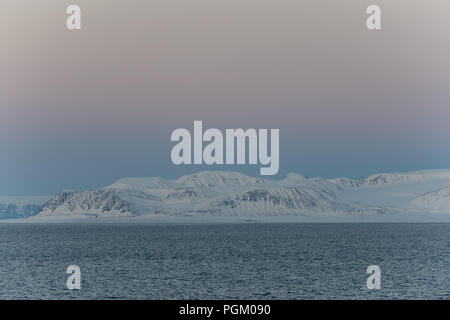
x=225 y=261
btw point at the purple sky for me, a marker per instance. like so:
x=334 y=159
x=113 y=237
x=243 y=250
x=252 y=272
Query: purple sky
x=80 y=109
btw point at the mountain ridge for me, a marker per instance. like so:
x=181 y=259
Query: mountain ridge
x=217 y=193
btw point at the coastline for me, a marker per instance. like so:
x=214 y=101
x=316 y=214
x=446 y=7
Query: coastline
x=403 y=217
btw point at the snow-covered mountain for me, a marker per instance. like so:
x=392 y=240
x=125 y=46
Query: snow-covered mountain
x=86 y=203
x=435 y=201
x=218 y=193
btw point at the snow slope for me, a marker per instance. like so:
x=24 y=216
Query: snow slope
x=221 y=194
x=435 y=201
x=397 y=190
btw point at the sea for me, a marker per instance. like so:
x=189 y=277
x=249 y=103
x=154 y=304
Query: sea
x=225 y=260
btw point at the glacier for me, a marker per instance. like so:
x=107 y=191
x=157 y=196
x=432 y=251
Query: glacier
x=216 y=194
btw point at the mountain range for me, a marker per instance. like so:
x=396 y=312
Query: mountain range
x=233 y=194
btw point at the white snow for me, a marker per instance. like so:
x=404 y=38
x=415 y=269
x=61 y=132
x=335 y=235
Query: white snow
x=435 y=201
x=230 y=195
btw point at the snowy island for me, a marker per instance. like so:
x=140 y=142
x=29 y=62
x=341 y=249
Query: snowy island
x=230 y=196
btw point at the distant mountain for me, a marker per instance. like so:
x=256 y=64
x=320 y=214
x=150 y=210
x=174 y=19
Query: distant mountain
x=218 y=193
x=383 y=179
x=20 y=207
x=13 y=211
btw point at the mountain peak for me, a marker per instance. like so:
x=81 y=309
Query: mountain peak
x=217 y=179
x=142 y=183
x=380 y=179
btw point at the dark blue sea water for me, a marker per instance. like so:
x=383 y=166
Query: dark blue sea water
x=225 y=261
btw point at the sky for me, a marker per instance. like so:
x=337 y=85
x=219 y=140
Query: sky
x=81 y=109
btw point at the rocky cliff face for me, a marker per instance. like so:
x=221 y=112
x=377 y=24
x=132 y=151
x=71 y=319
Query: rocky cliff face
x=86 y=203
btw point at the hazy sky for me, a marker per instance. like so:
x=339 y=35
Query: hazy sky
x=80 y=109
